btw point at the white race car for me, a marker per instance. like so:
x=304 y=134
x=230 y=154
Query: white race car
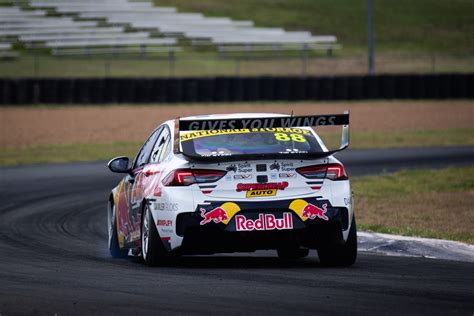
x=234 y=183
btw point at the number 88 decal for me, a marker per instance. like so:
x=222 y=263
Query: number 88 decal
x=294 y=137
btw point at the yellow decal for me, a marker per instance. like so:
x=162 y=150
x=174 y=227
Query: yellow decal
x=298 y=206
x=296 y=133
x=259 y=193
x=231 y=209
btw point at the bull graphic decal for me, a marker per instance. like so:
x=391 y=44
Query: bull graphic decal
x=217 y=215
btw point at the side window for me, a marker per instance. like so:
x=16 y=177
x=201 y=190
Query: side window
x=162 y=146
x=144 y=153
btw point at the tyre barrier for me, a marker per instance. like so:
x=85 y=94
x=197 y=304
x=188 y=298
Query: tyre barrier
x=234 y=89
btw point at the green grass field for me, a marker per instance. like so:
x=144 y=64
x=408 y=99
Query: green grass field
x=400 y=25
x=426 y=203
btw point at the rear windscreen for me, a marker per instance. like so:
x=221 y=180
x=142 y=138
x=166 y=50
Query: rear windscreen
x=249 y=142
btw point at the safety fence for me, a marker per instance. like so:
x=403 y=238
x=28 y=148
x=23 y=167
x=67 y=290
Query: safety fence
x=233 y=89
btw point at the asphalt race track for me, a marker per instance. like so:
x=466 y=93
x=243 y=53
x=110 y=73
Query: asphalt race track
x=54 y=258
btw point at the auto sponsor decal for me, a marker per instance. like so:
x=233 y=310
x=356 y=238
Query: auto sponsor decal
x=307 y=210
x=264 y=222
x=220 y=214
x=260 y=193
x=261 y=186
x=281 y=133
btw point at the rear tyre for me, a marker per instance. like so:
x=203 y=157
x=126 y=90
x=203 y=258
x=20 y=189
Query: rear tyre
x=153 y=251
x=341 y=255
x=114 y=247
x=292 y=253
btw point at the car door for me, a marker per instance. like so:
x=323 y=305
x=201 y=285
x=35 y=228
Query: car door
x=154 y=170
x=134 y=186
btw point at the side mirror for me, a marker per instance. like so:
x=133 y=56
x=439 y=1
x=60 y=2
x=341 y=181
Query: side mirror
x=119 y=165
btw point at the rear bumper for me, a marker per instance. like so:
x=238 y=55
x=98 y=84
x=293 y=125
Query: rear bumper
x=218 y=237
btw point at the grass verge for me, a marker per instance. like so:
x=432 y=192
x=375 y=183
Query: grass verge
x=11 y=156
x=425 y=203
x=66 y=153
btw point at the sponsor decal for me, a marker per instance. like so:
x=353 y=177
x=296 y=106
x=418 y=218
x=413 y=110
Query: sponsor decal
x=243 y=176
x=262 y=186
x=216 y=215
x=165 y=206
x=164 y=222
x=287 y=166
x=259 y=193
x=275 y=166
x=185 y=136
x=231 y=168
x=309 y=211
x=265 y=123
x=201 y=133
x=273 y=176
x=221 y=214
x=244 y=167
x=264 y=222
x=288 y=175
x=348 y=201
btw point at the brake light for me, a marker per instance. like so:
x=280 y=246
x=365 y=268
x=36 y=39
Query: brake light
x=332 y=172
x=185 y=177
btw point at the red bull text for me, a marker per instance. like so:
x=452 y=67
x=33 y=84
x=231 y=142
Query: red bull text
x=264 y=222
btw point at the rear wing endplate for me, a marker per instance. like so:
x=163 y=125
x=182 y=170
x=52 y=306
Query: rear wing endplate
x=264 y=122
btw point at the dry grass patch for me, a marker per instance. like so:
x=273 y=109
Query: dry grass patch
x=32 y=126
x=428 y=203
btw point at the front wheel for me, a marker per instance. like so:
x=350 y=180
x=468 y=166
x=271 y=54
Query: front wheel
x=153 y=251
x=341 y=255
x=114 y=248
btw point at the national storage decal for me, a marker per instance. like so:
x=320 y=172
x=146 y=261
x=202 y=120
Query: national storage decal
x=205 y=133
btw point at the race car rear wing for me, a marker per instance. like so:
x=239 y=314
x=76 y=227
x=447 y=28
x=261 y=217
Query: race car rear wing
x=263 y=122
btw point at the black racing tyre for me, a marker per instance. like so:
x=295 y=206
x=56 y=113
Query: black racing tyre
x=153 y=250
x=292 y=253
x=341 y=255
x=114 y=247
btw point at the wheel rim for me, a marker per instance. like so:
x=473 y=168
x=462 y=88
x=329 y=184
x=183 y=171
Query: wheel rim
x=145 y=233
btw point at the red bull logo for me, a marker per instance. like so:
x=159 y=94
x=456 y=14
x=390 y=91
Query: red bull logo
x=221 y=214
x=264 y=222
x=309 y=211
x=312 y=211
x=216 y=215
